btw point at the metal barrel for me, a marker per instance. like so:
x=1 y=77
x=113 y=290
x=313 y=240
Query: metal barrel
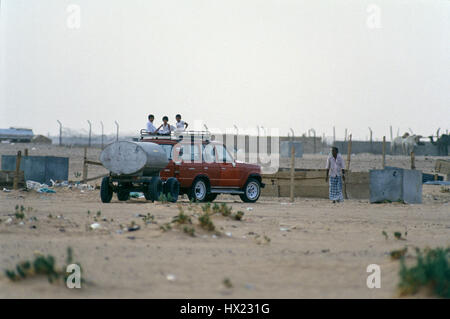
x=134 y=158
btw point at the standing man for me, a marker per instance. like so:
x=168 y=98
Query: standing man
x=150 y=127
x=335 y=171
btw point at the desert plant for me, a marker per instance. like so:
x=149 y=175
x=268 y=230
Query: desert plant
x=206 y=208
x=398 y=236
x=206 y=223
x=165 y=227
x=148 y=219
x=41 y=265
x=238 y=215
x=225 y=210
x=397 y=254
x=189 y=230
x=181 y=218
x=432 y=271
x=19 y=213
x=227 y=283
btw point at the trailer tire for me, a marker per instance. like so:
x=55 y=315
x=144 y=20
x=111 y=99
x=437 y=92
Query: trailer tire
x=106 y=192
x=154 y=189
x=172 y=188
x=123 y=194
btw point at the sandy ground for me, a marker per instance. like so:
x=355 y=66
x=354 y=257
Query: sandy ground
x=316 y=249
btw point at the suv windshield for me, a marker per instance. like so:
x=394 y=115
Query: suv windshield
x=168 y=149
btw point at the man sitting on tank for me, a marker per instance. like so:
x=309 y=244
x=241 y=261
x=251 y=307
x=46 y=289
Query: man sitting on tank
x=151 y=129
x=165 y=128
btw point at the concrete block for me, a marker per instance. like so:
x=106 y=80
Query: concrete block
x=39 y=168
x=285 y=149
x=396 y=184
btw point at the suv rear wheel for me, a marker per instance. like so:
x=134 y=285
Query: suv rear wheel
x=211 y=197
x=198 y=190
x=172 y=189
x=252 y=190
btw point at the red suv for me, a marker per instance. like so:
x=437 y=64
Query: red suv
x=206 y=169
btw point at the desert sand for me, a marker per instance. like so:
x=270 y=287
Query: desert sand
x=307 y=249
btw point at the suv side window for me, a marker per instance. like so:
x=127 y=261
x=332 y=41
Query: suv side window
x=191 y=152
x=223 y=155
x=209 y=153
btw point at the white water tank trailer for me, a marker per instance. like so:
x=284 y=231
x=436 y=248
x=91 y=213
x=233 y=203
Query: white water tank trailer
x=134 y=158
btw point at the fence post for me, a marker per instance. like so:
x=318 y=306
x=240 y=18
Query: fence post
x=16 y=175
x=334 y=135
x=413 y=160
x=101 y=122
x=117 y=133
x=292 y=172
x=384 y=152
x=85 y=166
x=349 y=156
x=60 y=132
x=90 y=132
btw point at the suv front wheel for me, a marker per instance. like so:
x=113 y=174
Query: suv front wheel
x=198 y=190
x=252 y=190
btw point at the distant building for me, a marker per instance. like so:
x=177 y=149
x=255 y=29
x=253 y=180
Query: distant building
x=15 y=134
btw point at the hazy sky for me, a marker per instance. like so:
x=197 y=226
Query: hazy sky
x=276 y=63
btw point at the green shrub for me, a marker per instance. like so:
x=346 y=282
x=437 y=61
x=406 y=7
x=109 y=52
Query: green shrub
x=238 y=215
x=41 y=265
x=432 y=270
x=182 y=218
x=206 y=223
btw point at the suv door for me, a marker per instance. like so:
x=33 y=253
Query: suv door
x=229 y=173
x=191 y=163
x=210 y=166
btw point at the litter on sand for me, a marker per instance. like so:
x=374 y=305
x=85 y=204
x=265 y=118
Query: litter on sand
x=443 y=183
x=46 y=190
x=170 y=277
x=95 y=226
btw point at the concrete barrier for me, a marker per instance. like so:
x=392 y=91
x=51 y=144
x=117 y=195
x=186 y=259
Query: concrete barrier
x=396 y=184
x=285 y=149
x=39 y=168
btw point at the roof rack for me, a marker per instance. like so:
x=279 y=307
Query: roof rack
x=177 y=135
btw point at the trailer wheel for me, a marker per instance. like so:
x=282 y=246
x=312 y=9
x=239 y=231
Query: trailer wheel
x=154 y=189
x=123 y=194
x=172 y=189
x=106 y=191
